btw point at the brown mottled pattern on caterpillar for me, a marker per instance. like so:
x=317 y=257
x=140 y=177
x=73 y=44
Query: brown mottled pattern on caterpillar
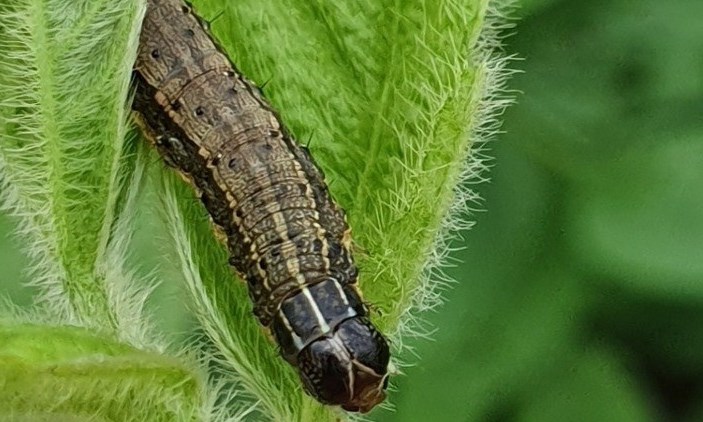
x=287 y=238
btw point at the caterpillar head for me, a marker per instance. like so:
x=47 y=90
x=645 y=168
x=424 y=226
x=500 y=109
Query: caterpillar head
x=349 y=367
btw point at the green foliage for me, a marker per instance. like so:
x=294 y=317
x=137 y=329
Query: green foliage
x=62 y=162
x=580 y=288
x=82 y=375
x=392 y=98
x=385 y=95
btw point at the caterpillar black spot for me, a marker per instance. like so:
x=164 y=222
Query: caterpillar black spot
x=286 y=235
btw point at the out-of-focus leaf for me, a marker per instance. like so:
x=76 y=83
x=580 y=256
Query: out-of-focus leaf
x=504 y=324
x=662 y=337
x=497 y=356
x=641 y=225
x=530 y=7
x=595 y=386
x=696 y=414
x=602 y=81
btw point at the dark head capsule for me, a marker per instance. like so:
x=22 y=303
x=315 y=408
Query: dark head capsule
x=347 y=368
x=341 y=357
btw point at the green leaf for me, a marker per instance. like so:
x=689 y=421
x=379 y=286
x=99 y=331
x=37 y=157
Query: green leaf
x=387 y=95
x=76 y=374
x=592 y=386
x=657 y=189
x=491 y=344
x=70 y=176
x=622 y=139
x=63 y=126
x=391 y=96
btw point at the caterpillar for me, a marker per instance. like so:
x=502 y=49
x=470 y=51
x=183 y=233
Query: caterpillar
x=286 y=236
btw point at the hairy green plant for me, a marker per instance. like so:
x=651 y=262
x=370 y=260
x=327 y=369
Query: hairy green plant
x=394 y=99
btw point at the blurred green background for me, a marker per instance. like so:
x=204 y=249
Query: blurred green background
x=579 y=293
x=580 y=290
